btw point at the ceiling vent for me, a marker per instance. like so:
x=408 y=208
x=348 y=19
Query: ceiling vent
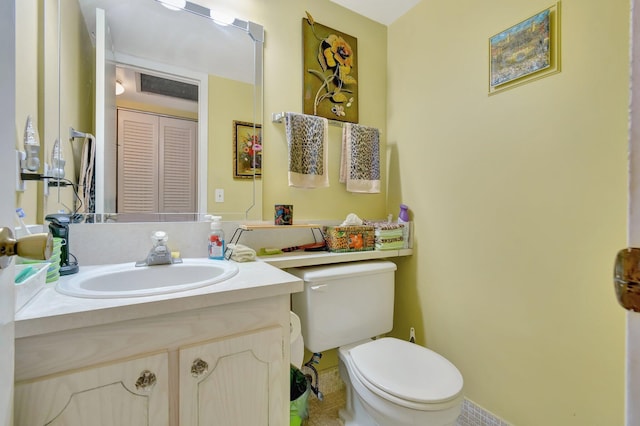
x=166 y=87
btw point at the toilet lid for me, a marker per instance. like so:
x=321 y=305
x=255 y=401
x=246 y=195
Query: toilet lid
x=407 y=371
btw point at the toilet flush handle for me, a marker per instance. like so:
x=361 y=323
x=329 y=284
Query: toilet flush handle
x=318 y=287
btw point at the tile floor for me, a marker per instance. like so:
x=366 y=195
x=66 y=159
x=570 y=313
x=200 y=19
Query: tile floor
x=325 y=412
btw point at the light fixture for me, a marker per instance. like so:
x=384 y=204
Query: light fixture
x=217 y=17
x=119 y=88
x=221 y=18
x=174 y=4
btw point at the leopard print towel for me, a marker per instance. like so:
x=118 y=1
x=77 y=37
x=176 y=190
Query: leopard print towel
x=307 y=137
x=360 y=162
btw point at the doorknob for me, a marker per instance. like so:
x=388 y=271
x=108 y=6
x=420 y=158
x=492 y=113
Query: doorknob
x=35 y=246
x=626 y=278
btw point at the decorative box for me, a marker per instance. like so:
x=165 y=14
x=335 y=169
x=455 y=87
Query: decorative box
x=349 y=238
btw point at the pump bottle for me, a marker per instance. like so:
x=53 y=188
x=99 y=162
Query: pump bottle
x=216 y=239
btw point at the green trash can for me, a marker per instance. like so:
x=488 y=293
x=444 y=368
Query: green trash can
x=299 y=389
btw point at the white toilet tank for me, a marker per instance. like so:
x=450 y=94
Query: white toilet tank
x=344 y=303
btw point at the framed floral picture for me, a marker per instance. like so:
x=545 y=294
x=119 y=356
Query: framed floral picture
x=247 y=150
x=330 y=72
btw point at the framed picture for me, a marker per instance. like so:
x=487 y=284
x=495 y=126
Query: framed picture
x=526 y=51
x=247 y=150
x=330 y=72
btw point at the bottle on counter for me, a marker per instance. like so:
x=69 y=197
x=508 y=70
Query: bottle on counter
x=216 y=239
x=403 y=216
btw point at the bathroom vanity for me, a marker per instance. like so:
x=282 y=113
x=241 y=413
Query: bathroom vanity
x=217 y=355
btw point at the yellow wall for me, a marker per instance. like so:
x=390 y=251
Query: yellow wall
x=519 y=202
x=27 y=34
x=229 y=100
x=76 y=100
x=283 y=75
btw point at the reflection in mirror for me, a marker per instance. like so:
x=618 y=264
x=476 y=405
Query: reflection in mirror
x=223 y=64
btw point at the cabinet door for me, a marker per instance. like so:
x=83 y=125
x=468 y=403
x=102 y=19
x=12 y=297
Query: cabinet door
x=137 y=162
x=177 y=174
x=133 y=392
x=156 y=157
x=239 y=380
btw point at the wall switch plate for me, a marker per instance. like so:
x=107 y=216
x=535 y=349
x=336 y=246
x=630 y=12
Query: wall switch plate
x=219 y=195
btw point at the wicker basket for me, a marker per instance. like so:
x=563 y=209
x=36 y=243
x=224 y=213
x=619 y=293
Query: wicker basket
x=349 y=238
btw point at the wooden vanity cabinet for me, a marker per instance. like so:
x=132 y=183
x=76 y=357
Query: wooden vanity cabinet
x=133 y=392
x=225 y=365
x=230 y=381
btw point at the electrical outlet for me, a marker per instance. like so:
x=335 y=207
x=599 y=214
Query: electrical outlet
x=219 y=195
x=412 y=335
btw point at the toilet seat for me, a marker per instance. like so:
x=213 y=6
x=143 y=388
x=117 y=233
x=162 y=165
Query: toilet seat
x=406 y=374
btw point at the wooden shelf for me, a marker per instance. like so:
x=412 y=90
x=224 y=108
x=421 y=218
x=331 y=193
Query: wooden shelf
x=237 y=234
x=281 y=227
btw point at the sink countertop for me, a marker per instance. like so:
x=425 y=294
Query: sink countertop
x=50 y=311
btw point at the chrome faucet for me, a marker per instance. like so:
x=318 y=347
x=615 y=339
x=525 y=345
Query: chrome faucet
x=159 y=253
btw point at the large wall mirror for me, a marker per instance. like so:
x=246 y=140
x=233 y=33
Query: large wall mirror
x=186 y=80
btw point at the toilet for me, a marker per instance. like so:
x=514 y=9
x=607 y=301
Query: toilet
x=389 y=382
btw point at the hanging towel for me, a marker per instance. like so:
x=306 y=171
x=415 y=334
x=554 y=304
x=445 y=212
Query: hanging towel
x=360 y=162
x=307 y=137
x=87 y=175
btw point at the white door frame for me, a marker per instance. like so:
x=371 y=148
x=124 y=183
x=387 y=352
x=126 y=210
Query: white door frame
x=7 y=195
x=632 y=398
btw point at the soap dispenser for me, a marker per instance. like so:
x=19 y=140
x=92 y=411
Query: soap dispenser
x=216 y=238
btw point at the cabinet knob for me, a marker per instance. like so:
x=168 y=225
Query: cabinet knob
x=199 y=367
x=146 y=380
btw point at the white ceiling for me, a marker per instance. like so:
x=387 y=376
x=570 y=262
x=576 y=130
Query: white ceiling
x=145 y=29
x=383 y=11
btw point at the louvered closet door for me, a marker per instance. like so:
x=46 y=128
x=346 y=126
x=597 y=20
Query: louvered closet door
x=156 y=164
x=177 y=165
x=137 y=162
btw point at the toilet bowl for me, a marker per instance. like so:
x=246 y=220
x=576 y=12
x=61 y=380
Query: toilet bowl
x=393 y=382
x=389 y=382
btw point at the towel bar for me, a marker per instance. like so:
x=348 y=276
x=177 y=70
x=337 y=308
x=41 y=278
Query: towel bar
x=278 y=117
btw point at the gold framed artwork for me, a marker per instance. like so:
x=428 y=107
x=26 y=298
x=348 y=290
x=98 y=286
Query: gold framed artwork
x=247 y=150
x=330 y=72
x=526 y=51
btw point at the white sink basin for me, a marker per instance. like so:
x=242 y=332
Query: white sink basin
x=127 y=280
